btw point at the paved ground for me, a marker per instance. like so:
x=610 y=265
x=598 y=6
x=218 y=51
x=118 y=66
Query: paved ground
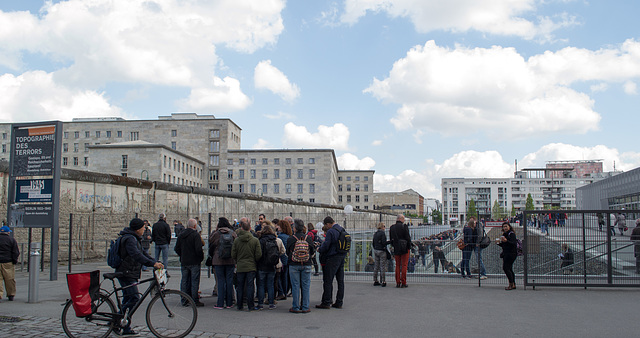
x=422 y=310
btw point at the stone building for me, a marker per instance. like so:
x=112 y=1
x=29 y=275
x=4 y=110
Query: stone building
x=407 y=201
x=355 y=188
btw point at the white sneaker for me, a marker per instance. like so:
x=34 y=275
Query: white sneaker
x=483 y=277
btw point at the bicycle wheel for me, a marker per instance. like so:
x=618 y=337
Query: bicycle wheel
x=94 y=325
x=175 y=317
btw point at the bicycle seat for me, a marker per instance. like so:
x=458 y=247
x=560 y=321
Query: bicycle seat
x=113 y=275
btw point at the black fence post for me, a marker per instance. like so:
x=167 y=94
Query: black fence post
x=584 y=251
x=609 y=258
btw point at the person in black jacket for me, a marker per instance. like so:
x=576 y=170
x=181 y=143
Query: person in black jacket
x=189 y=248
x=133 y=258
x=401 y=239
x=380 y=255
x=9 y=254
x=161 y=236
x=509 y=254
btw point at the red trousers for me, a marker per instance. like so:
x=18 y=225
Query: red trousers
x=401 y=268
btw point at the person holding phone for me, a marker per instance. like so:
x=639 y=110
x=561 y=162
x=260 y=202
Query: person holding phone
x=509 y=253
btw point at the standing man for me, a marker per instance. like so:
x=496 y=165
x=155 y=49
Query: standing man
x=146 y=240
x=470 y=244
x=300 y=267
x=189 y=248
x=401 y=241
x=133 y=258
x=161 y=236
x=261 y=219
x=477 y=232
x=246 y=251
x=9 y=254
x=334 y=265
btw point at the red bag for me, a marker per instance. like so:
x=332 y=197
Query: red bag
x=84 y=288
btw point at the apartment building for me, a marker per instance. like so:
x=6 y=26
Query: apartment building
x=355 y=188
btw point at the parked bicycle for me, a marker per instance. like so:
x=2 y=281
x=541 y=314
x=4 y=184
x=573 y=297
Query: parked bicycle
x=170 y=313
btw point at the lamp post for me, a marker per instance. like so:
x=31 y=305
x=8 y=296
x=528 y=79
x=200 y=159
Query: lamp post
x=144 y=171
x=259 y=192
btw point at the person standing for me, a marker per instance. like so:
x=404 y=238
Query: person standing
x=246 y=251
x=401 y=241
x=161 y=237
x=333 y=265
x=219 y=243
x=300 y=267
x=635 y=238
x=133 y=258
x=189 y=249
x=271 y=252
x=9 y=254
x=508 y=242
x=146 y=240
x=470 y=244
x=380 y=255
x=283 y=278
x=621 y=222
x=478 y=231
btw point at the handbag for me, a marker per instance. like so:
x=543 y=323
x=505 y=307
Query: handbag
x=402 y=246
x=461 y=244
x=209 y=261
x=484 y=241
x=388 y=253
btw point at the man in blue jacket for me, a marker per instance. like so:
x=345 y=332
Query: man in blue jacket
x=334 y=266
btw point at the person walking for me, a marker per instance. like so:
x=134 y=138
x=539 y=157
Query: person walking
x=220 y=244
x=133 y=258
x=189 y=249
x=9 y=254
x=508 y=242
x=246 y=251
x=380 y=255
x=333 y=265
x=401 y=239
x=161 y=237
x=300 y=248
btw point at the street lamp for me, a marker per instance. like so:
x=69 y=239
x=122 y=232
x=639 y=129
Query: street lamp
x=144 y=171
x=260 y=192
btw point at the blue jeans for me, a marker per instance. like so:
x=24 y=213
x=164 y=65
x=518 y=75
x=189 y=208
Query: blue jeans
x=225 y=284
x=130 y=296
x=266 y=278
x=283 y=286
x=545 y=227
x=164 y=248
x=245 y=280
x=190 y=283
x=300 y=282
x=334 y=267
x=483 y=271
x=464 y=265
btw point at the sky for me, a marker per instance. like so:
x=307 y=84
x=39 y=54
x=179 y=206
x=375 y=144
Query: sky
x=417 y=90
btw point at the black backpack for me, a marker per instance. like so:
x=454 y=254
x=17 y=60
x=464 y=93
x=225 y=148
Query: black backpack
x=344 y=242
x=224 y=247
x=270 y=252
x=114 y=259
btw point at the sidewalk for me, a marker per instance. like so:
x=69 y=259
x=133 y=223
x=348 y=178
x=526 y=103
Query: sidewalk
x=422 y=310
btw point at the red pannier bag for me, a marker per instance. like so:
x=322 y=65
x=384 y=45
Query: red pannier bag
x=84 y=288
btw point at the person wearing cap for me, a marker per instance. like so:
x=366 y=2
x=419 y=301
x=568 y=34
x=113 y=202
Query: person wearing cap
x=9 y=254
x=133 y=258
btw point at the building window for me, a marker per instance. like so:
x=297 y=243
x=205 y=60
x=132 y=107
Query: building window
x=125 y=161
x=230 y=174
x=86 y=161
x=214 y=133
x=340 y=198
x=97 y=133
x=276 y=188
x=213 y=175
x=87 y=134
x=287 y=161
x=287 y=188
x=348 y=187
x=213 y=186
x=276 y=161
x=312 y=188
x=252 y=173
x=339 y=187
x=215 y=161
x=164 y=161
x=312 y=200
x=241 y=188
x=65 y=147
x=253 y=188
x=119 y=133
x=265 y=161
x=230 y=161
x=65 y=134
x=241 y=174
x=4 y=136
x=164 y=177
x=276 y=173
x=357 y=187
x=264 y=188
x=312 y=173
x=299 y=188
x=173 y=145
x=357 y=198
x=348 y=178
x=366 y=178
x=300 y=160
x=287 y=173
x=214 y=146
x=65 y=161
x=312 y=160
x=76 y=134
x=300 y=173
x=339 y=178
x=76 y=147
x=253 y=161
x=265 y=173
x=75 y=161
x=241 y=161
x=135 y=135
x=86 y=147
x=174 y=133
x=229 y=187
x=108 y=133
x=124 y=175
x=4 y=148
x=366 y=198
x=348 y=198
x=366 y=187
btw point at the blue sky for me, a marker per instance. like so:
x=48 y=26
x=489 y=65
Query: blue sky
x=415 y=90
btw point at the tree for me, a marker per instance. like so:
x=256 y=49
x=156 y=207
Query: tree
x=436 y=216
x=471 y=208
x=529 y=205
x=496 y=211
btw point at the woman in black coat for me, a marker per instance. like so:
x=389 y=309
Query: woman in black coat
x=509 y=253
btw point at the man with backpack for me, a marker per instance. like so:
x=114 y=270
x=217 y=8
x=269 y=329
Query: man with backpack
x=132 y=259
x=334 y=266
x=246 y=251
x=220 y=244
x=267 y=265
x=161 y=237
x=300 y=249
x=189 y=249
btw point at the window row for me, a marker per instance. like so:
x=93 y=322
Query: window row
x=97 y=134
x=265 y=161
x=357 y=198
x=76 y=161
x=356 y=178
x=276 y=174
x=177 y=180
x=275 y=189
x=356 y=186
x=183 y=167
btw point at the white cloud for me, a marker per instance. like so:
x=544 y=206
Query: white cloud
x=630 y=88
x=495 y=90
x=494 y=17
x=350 y=161
x=568 y=152
x=262 y=144
x=280 y=116
x=376 y=143
x=334 y=137
x=224 y=95
x=600 y=87
x=34 y=96
x=271 y=78
x=421 y=182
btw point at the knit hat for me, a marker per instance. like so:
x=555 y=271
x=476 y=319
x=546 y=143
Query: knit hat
x=136 y=224
x=5 y=229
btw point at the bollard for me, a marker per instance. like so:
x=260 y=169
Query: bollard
x=34 y=272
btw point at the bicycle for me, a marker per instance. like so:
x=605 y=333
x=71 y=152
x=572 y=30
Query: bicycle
x=170 y=313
